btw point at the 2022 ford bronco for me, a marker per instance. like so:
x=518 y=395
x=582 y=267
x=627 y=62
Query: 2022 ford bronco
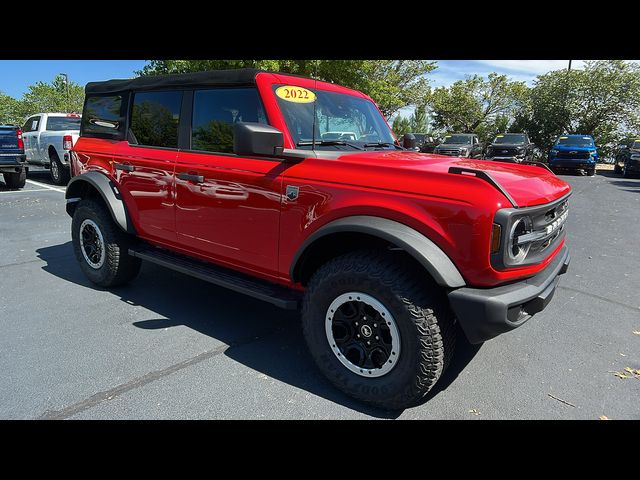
x=227 y=176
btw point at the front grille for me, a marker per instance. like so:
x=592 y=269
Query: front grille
x=546 y=230
x=449 y=151
x=572 y=154
x=504 y=152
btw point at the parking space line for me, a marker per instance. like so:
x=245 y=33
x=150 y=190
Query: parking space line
x=49 y=187
x=25 y=191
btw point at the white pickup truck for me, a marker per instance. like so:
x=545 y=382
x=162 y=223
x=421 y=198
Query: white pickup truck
x=48 y=137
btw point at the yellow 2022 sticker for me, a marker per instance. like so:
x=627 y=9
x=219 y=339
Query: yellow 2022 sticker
x=295 y=94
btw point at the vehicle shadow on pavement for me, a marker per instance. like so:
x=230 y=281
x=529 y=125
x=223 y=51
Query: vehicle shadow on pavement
x=260 y=336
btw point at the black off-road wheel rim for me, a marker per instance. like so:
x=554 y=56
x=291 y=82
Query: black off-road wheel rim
x=362 y=334
x=92 y=244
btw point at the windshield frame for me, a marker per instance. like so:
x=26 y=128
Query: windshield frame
x=381 y=133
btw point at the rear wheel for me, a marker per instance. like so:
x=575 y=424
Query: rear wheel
x=16 y=180
x=59 y=174
x=377 y=328
x=591 y=171
x=101 y=247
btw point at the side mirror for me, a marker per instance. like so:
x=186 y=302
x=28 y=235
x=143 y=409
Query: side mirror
x=409 y=141
x=257 y=139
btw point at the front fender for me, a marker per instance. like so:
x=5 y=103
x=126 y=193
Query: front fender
x=427 y=253
x=108 y=191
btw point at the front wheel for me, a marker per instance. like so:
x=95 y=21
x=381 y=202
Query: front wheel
x=377 y=328
x=591 y=171
x=101 y=247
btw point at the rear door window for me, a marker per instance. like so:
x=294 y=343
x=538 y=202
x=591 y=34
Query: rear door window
x=58 y=124
x=216 y=110
x=154 y=119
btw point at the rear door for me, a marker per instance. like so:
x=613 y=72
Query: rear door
x=227 y=206
x=144 y=164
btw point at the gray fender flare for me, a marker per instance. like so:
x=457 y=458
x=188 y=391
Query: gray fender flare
x=109 y=193
x=427 y=253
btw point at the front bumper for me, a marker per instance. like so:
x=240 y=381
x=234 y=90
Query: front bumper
x=633 y=166
x=485 y=313
x=572 y=164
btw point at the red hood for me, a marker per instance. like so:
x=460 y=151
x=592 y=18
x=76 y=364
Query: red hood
x=528 y=185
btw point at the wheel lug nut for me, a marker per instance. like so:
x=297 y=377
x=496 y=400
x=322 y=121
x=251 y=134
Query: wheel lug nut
x=377 y=338
x=356 y=324
x=358 y=336
x=375 y=325
x=368 y=343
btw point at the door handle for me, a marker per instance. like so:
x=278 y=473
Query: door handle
x=124 y=166
x=191 y=177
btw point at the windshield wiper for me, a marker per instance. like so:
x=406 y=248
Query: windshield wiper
x=329 y=143
x=382 y=144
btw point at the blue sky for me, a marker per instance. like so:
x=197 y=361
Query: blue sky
x=17 y=75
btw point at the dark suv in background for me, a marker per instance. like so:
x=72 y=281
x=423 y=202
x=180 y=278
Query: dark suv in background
x=425 y=143
x=628 y=158
x=466 y=145
x=574 y=152
x=510 y=147
x=12 y=157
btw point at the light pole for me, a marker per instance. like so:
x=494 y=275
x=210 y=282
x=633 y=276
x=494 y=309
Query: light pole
x=66 y=82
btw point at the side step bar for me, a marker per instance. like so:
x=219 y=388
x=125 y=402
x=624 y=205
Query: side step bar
x=223 y=277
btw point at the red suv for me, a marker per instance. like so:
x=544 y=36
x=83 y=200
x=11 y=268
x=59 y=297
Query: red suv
x=296 y=192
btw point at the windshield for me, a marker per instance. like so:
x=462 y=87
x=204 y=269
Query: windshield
x=508 y=138
x=346 y=121
x=575 y=140
x=58 y=124
x=458 y=139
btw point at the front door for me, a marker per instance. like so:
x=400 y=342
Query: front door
x=227 y=207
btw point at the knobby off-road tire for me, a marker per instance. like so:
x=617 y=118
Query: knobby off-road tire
x=59 y=174
x=16 y=180
x=419 y=308
x=105 y=260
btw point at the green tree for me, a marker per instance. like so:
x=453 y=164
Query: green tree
x=392 y=84
x=9 y=114
x=477 y=104
x=52 y=97
x=418 y=120
x=401 y=125
x=602 y=100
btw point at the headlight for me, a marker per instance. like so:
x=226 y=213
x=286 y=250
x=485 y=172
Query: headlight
x=521 y=149
x=593 y=154
x=518 y=251
x=463 y=151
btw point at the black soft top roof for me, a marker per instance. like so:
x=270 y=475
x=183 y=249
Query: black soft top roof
x=238 y=76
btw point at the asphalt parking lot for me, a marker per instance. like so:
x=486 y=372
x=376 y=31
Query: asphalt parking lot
x=168 y=346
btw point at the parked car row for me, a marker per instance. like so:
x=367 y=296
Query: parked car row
x=569 y=152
